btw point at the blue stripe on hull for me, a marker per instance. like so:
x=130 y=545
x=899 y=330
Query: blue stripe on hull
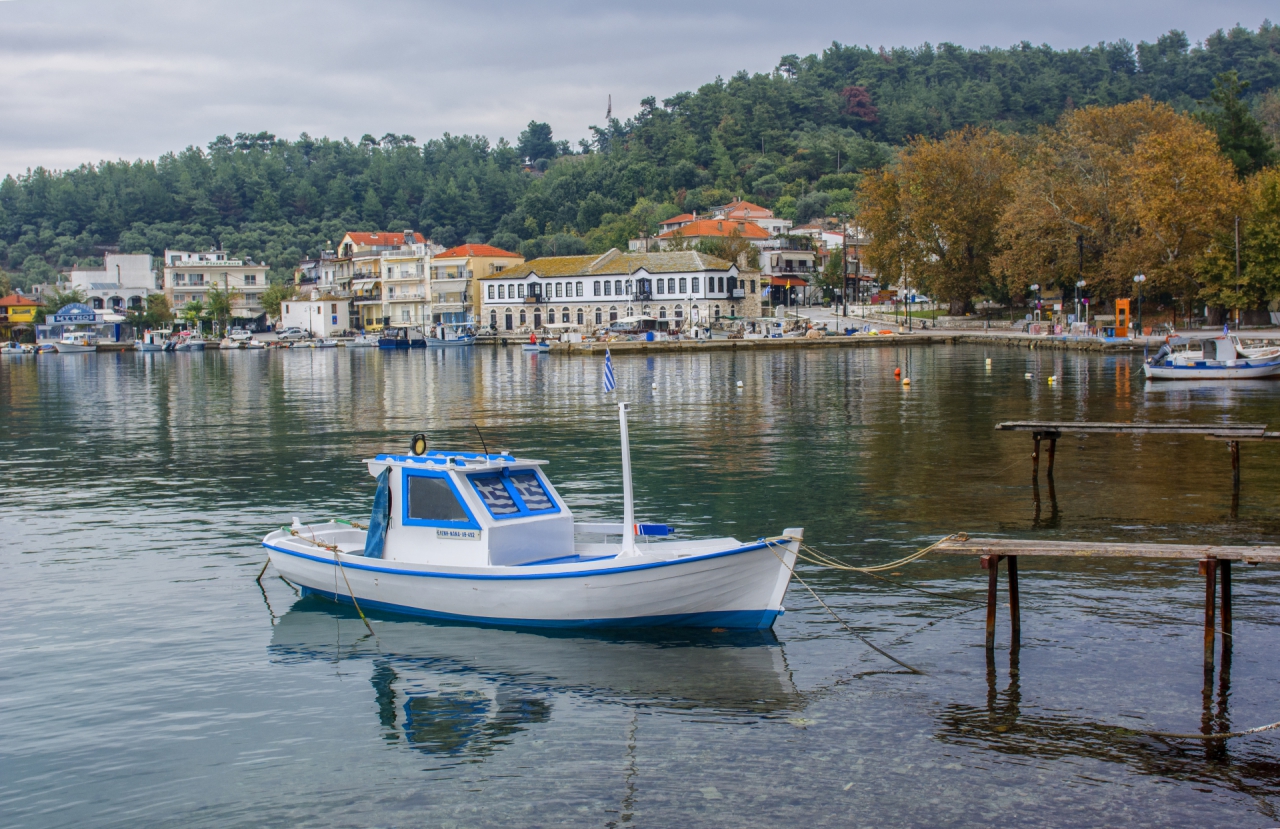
x=729 y=619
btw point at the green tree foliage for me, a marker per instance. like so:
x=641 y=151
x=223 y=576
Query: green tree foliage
x=274 y=295
x=1259 y=281
x=536 y=142
x=218 y=304
x=812 y=126
x=56 y=298
x=1240 y=135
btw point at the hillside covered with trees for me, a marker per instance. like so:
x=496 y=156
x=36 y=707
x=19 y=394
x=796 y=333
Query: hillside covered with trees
x=799 y=140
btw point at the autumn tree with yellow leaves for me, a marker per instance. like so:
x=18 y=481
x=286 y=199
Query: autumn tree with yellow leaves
x=934 y=216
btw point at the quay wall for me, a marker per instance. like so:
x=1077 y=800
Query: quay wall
x=888 y=340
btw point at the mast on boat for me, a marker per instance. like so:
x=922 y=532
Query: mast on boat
x=628 y=500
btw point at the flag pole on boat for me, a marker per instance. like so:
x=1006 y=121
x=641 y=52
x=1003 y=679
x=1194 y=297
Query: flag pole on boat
x=628 y=500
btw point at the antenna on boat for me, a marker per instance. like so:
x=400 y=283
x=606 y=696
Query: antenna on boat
x=628 y=499
x=481 y=434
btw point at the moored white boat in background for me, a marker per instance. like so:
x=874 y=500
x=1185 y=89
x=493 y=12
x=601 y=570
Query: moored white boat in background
x=150 y=341
x=535 y=346
x=485 y=538
x=76 y=342
x=364 y=341
x=12 y=349
x=1207 y=358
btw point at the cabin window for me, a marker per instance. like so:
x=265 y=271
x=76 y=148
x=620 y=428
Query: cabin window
x=432 y=500
x=494 y=494
x=512 y=496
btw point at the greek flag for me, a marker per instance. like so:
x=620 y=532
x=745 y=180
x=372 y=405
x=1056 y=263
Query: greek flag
x=609 y=384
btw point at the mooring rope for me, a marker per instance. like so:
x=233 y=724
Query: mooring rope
x=1225 y=735
x=771 y=543
x=333 y=548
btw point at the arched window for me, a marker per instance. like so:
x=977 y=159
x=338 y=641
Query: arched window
x=645 y=310
x=613 y=313
x=722 y=284
x=596 y=288
x=522 y=317
x=97 y=303
x=493 y=320
x=510 y=326
x=679 y=312
x=717 y=312
x=662 y=312
x=581 y=315
x=599 y=316
x=564 y=315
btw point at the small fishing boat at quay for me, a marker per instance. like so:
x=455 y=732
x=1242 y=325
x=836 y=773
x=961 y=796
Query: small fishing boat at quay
x=151 y=341
x=12 y=349
x=452 y=335
x=398 y=338
x=486 y=538
x=326 y=342
x=535 y=346
x=364 y=341
x=76 y=342
x=1207 y=358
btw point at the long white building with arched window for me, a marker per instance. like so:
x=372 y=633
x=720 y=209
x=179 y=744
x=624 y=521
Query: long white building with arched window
x=594 y=291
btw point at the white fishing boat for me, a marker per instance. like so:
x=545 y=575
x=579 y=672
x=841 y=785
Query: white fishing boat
x=535 y=346
x=151 y=341
x=364 y=341
x=254 y=345
x=76 y=342
x=12 y=349
x=486 y=538
x=1256 y=348
x=326 y=342
x=1207 y=358
x=451 y=335
x=228 y=344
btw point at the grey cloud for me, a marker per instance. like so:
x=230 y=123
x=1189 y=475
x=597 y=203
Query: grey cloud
x=82 y=81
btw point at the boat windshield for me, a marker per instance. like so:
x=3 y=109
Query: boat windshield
x=519 y=494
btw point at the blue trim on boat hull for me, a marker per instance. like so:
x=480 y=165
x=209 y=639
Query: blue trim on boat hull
x=728 y=619
x=571 y=574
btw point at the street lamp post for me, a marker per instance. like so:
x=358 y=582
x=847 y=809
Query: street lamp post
x=1079 y=285
x=1036 y=288
x=1140 y=278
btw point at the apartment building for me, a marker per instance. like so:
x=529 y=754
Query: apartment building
x=188 y=276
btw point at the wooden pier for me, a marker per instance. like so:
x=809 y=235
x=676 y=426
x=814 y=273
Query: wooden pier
x=1051 y=430
x=1214 y=565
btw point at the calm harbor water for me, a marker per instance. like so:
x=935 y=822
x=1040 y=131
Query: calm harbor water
x=148 y=681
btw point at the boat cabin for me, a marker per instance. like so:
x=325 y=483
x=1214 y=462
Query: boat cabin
x=471 y=509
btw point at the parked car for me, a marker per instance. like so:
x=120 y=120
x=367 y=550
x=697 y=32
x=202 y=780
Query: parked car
x=292 y=334
x=239 y=335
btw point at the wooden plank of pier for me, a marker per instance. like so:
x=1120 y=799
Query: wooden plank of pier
x=1253 y=554
x=1214 y=565
x=1051 y=430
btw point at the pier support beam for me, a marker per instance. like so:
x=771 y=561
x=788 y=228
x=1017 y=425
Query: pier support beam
x=1234 y=446
x=1015 y=620
x=1209 y=569
x=1035 y=455
x=1225 y=601
x=992 y=565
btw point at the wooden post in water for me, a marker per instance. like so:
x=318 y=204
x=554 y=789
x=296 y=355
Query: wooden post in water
x=992 y=565
x=1225 y=566
x=1209 y=569
x=1015 y=621
x=1035 y=455
x=1053 y=445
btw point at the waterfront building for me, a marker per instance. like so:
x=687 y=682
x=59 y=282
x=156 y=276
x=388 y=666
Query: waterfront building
x=321 y=315
x=594 y=291
x=17 y=309
x=745 y=211
x=188 y=276
x=405 y=274
x=360 y=257
x=121 y=284
x=693 y=232
x=453 y=278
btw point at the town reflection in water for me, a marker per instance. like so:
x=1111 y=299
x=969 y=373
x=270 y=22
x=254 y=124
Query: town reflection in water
x=465 y=692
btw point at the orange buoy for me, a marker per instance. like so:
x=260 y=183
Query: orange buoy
x=897 y=372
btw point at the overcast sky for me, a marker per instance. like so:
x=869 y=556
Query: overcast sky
x=85 y=80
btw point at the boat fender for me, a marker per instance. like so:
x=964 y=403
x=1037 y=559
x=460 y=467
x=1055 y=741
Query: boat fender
x=418 y=444
x=376 y=537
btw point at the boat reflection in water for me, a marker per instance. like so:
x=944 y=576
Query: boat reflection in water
x=466 y=691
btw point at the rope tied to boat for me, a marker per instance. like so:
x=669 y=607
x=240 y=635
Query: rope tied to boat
x=333 y=548
x=771 y=543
